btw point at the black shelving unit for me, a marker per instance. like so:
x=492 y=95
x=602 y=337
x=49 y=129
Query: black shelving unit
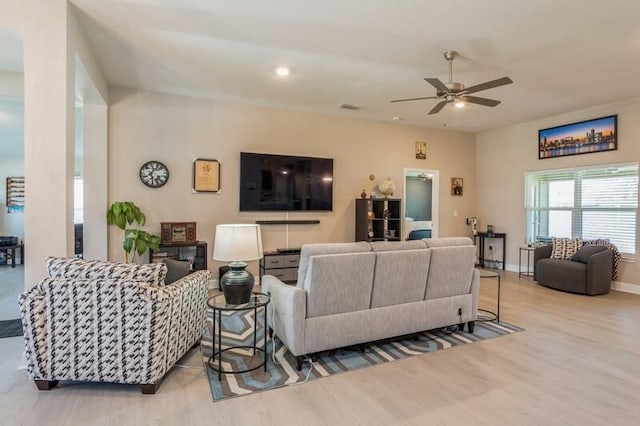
x=197 y=250
x=380 y=217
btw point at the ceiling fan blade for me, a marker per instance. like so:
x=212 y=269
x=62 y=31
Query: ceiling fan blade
x=488 y=85
x=440 y=87
x=436 y=109
x=480 y=101
x=415 y=99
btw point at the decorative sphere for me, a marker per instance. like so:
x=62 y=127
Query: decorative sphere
x=387 y=187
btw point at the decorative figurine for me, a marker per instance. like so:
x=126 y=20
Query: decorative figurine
x=364 y=194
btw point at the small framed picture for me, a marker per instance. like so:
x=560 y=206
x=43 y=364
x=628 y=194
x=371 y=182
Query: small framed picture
x=206 y=175
x=456 y=186
x=421 y=150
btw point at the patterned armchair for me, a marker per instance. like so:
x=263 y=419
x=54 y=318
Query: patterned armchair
x=110 y=322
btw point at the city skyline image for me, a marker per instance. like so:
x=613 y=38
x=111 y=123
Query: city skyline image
x=578 y=138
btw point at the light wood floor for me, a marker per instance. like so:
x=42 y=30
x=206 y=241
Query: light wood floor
x=577 y=363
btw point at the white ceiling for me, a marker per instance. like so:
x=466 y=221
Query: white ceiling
x=563 y=55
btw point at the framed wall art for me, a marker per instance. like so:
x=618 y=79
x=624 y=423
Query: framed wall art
x=206 y=175
x=583 y=137
x=456 y=186
x=421 y=150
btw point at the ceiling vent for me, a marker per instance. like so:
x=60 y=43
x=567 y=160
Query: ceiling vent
x=349 y=106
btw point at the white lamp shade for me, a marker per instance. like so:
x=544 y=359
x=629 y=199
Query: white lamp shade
x=237 y=242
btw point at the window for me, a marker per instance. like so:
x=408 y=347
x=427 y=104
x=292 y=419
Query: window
x=590 y=202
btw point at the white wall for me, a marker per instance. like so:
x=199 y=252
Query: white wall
x=175 y=130
x=504 y=155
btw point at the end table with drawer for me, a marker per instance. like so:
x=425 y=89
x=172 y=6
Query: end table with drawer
x=281 y=264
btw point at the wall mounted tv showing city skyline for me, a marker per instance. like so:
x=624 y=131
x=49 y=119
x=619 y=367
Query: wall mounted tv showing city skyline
x=270 y=182
x=584 y=137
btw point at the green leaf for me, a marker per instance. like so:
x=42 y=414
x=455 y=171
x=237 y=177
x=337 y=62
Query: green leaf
x=141 y=219
x=127 y=244
x=116 y=208
x=120 y=222
x=141 y=246
x=130 y=216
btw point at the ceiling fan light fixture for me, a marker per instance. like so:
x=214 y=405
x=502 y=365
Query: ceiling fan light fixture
x=459 y=103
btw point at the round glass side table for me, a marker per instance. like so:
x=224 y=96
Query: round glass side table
x=219 y=305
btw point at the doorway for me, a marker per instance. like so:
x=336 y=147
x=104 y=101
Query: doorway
x=421 y=196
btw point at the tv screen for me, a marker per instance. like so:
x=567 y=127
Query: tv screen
x=285 y=182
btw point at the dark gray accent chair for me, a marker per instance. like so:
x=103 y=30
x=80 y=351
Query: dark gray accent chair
x=587 y=272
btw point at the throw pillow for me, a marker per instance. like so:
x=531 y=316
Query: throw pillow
x=564 y=248
x=585 y=252
x=176 y=269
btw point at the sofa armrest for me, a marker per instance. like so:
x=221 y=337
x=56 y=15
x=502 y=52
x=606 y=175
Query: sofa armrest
x=599 y=273
x=179 y=313
x=542 y=252
x=287 y=312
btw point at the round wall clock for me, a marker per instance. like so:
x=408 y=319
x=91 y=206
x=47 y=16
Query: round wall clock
x=154 y=174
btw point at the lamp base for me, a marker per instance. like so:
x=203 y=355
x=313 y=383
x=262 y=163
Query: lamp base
x=237 y=284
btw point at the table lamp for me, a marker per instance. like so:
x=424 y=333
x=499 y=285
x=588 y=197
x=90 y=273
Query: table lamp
x=237 y=243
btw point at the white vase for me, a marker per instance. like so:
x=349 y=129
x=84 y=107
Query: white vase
x=387 y=187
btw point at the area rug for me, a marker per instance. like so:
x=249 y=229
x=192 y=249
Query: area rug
x=10 y=328
x=238 y=328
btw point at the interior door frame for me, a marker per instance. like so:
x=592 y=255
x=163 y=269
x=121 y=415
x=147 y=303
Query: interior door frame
x=435 y=196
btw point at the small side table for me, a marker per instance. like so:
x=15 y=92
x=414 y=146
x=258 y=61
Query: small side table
x=529 y=253
x=219 y=304
x=492 y=316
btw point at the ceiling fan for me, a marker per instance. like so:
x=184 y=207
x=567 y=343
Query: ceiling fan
x=457 y=93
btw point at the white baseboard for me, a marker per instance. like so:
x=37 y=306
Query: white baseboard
x=625 y=287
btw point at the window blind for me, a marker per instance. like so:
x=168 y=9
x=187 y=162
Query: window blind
x=589 y=203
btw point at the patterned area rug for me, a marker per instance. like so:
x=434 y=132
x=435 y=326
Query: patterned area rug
x=238 y=327
x=10 y=328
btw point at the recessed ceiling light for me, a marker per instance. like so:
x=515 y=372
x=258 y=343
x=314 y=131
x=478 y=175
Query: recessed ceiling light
x=282 y=71
x=396 y=118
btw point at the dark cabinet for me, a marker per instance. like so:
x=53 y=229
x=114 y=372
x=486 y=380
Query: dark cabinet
x=378 y=219
x=282 y=265
x=195 y=253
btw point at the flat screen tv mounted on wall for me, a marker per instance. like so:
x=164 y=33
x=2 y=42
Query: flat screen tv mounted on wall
x=285 y=183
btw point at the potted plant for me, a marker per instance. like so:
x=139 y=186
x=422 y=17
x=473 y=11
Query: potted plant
x=135 y=240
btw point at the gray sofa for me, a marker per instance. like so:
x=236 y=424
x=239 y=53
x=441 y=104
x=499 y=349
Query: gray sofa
x=352 y=293
x=587 y=272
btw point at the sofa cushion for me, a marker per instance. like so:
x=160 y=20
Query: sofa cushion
x=338 y=283
x=309 y=250
x=564 y=248
x=584 y=253
x=448 y=242
x=69 y=267
x=176 y=269
x=400 y=277
x=380 y=246
x=450 y=271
